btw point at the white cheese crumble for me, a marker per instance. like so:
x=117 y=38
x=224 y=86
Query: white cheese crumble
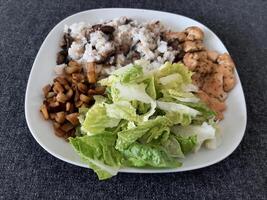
x=75 y=29
x=76 y=50
x=162 y=46
x=128 y=41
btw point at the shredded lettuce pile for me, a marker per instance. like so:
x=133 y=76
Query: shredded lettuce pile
x=148 y=119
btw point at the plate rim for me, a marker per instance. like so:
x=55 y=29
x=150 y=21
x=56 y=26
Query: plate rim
x=129 y=170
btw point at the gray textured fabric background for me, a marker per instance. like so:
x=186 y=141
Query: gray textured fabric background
x=28 y=172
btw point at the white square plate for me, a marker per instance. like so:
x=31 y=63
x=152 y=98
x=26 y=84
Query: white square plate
x=42 y=73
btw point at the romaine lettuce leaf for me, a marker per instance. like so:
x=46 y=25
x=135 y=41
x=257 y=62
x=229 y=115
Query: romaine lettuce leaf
x=133 y=92
x=97 y=120
x=159 y=131
x=100 y=153
x=141 y=108
x=179 y=69
x=130 y=92
x=176 y=77
x=103 y=171
x=215 y=142
x=174 y=81
x=179 y=118
x=190 y=88
x=179 y=108
x=203 y=132
x=140 y=155
x=108 y=81
x=151 y=88
x=188 y=143
x=205 y=111
x=82 y=114
x=122 y=110
x=151 y=129
x=180 y=95
x=100 y=99
x=173 y=147
x=128 y=74
x=132 y=74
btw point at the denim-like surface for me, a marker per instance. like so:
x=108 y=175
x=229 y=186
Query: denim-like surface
x=28 y=172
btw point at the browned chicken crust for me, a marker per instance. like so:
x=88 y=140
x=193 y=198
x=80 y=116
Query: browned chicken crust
x=213 y=73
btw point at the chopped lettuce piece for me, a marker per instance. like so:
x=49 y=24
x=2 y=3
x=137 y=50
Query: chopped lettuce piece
x=203 y=132
x=108 y=81
x=103 y=171
x=97 y=120
x=173 y=147
x=133 y=92
x=152 y=110
x=130 y=92
x=122 y=70
x=176 y=68
x=128 y=74
x=176 y=77
x=188 y=143
x=151 y=129
x=122 y=110
x=157 y=132
x=174 y=81
x=82 y=114
x=180 y=95
x=132 y=74
x=206 y=113
x=190 y=88
x=215 y=142
x=100 y=99
x=141 y=108
x=99 y=153
x=175 y=107
x=140 y=155
x=151 y=89
x=179 y=118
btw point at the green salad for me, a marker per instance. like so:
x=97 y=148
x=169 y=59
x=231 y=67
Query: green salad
x=148 y=119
